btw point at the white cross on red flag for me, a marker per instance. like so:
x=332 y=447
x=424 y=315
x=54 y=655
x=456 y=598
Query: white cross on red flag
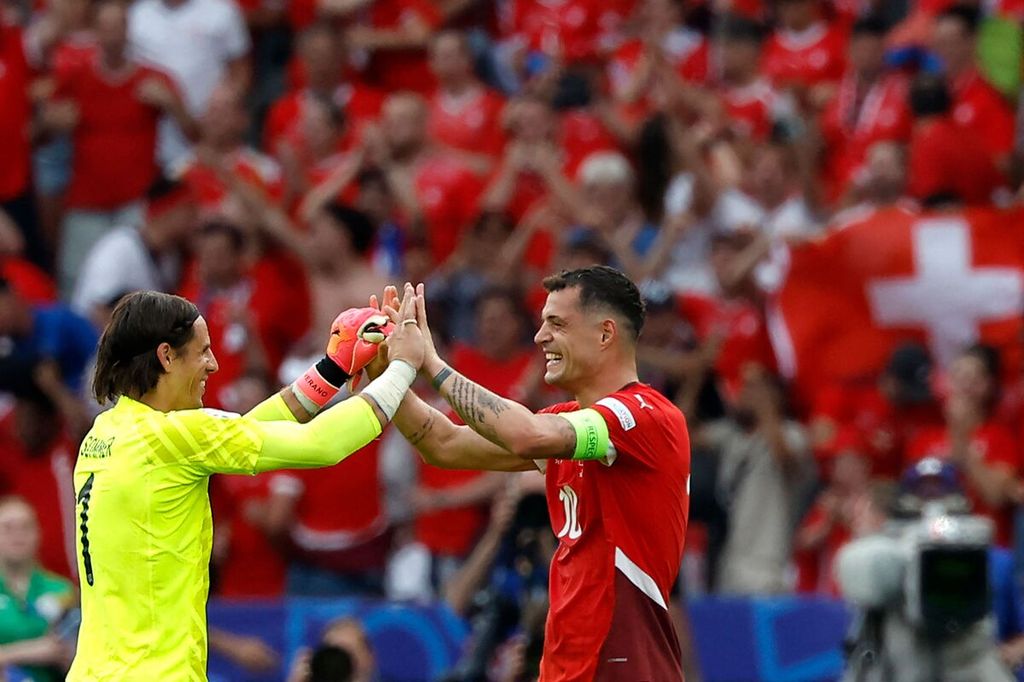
x=893 y=275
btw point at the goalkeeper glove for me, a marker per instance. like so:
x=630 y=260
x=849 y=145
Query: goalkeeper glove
x=355 y=337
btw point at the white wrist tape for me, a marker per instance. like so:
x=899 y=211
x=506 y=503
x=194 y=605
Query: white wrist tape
x=389 y=388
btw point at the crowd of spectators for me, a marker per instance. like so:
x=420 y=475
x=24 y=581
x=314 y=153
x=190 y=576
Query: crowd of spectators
x=276 y=162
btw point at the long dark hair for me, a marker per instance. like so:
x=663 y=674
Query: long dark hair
x=126 y=362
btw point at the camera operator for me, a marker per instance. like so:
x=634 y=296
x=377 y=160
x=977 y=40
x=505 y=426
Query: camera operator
x=924 y=584
x=502 y=587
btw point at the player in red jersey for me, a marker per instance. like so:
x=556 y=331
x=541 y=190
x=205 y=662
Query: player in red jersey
x=617 y=463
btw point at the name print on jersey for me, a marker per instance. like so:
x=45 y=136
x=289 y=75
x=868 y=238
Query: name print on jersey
x=96 y=447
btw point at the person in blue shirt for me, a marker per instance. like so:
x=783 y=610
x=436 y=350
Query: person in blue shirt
x=1008 y=607
x=31 y=335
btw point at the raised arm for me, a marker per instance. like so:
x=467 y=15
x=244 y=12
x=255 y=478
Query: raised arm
x=251 y=444
x=512 y=427
x=451 y=446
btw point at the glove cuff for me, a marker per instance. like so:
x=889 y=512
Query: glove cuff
x=319 y=384
x=332 y=372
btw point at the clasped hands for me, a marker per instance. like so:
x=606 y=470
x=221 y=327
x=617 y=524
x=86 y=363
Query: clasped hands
x=388 y=329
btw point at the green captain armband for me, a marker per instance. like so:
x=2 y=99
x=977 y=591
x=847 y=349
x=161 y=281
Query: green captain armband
x=592 y=440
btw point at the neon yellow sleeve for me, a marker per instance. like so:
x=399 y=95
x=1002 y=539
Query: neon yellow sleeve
x=332 y=436
x=273 y=409
x=217 y=442
x=592 y=440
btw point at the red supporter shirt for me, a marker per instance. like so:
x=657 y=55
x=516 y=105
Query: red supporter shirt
x=249 y=165
x=581 y=134
x=27 y=280
x=860 y=418
x=453 y=531
x=73 y=52
x=620 y=535
x=360 y=103
x=15 y=113
x=45 y=480
x=686 y=50
x=815 y=568
x=114 y=159
x=750 y=109
x=394 y=70
x=448 y=192
x=815 y=55
x=228 y=335
x=741 y=326
x=996 y=445
x=578 y=30
x=252 y=567
x=858 y=117
x=948 y=157
x=276 y=300
x=979 y=106
x=340 y=516
x=471 y=122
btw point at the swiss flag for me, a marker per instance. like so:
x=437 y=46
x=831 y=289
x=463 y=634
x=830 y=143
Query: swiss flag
x=894 y=275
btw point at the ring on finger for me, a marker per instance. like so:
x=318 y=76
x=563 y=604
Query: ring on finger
x=410 y=322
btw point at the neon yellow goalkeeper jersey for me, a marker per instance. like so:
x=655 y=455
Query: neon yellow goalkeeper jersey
x=145 y=529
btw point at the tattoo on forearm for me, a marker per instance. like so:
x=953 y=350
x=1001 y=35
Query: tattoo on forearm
x=478 y=407
x=424 y=429
x=568 y=433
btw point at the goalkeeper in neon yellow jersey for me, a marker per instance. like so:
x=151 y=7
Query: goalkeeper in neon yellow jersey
x=143 y=511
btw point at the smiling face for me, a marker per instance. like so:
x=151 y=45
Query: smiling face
x=571 y=339
x=188 y=368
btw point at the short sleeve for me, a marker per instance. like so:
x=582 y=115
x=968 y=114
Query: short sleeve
x=627 y=415
x=215 y=442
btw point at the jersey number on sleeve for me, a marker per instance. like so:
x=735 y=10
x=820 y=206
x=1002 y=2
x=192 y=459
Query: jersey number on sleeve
x=84 y=496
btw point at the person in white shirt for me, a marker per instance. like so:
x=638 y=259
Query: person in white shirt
x=134 y=258
x=200 y=43
x=768 y=200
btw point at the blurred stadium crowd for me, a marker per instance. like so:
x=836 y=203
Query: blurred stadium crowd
x=276 y=162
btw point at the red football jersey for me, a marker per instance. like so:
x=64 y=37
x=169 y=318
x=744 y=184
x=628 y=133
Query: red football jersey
x=751 y=108
x=858 y=417
x=248 y=164
x=360 y=103
x=453 y=530
x=252 y=567
x=858 y=117
x=816 y=55
x=340 y=519
x=28 y=280
x=578 y=30
x=471 y=122
x=44 y=480
x=75 y=50
x=407 y=69
x=581 y=134
x=995 y=444
x=620 y=531
x=979 y=106
x=743 y=331
x=686 y=50
x=15 y=113
x=945 y=156
x=115 y=139
x=448 y=193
